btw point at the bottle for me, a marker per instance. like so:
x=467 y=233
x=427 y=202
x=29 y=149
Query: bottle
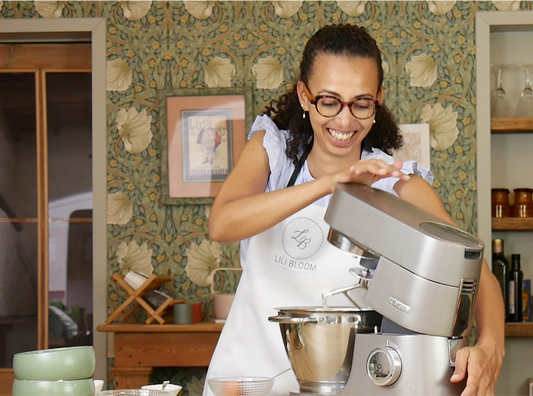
x=516 y=278
x=500 y=269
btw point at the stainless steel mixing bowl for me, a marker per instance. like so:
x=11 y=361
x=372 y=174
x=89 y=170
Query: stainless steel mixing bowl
x=320 y=343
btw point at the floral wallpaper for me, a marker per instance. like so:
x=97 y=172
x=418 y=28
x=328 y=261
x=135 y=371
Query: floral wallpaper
x=429 y=56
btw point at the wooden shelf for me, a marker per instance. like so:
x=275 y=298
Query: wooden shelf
x=511 y=125
x=512 y=224
x=524 y=329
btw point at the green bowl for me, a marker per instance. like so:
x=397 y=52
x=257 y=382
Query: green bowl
x=83 y=387
x=72 y=363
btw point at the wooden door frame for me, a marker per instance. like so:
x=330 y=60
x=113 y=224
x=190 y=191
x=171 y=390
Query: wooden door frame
x=44 y=30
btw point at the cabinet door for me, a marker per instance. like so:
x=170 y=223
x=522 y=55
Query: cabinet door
x=45 y=179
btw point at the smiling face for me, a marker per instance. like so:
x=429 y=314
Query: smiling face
x=346 y=78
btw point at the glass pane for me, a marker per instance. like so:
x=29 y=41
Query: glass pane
x=18 y=166
x=18 y=212
x=18 y=291
x=68 y=103
x=68 y=99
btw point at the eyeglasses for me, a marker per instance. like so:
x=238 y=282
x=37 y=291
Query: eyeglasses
x=330 y=106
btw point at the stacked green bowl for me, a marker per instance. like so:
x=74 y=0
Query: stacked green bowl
x=55 y=372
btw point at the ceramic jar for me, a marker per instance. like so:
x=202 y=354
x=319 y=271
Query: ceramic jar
x=523 y=202
x=500 y=202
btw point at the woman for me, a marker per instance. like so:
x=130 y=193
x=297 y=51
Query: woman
x=332 y=128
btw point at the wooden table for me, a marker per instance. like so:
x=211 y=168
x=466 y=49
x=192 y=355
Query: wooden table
x=138 y=348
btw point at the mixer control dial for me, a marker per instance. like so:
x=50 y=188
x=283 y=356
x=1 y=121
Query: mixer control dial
x=384 y=366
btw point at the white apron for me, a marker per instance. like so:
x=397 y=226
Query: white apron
x=289 y=265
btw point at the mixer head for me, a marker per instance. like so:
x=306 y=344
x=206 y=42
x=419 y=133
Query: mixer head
x=424 y=271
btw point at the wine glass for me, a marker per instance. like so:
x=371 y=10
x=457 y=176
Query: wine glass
x=500 y=105
x=525 y=104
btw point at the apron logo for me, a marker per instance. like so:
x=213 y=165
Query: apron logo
x=302 y=238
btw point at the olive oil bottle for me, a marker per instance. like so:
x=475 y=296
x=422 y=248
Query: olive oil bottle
x=516 y=278
x=500 y=269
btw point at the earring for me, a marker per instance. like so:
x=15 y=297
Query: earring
x=374 y=120
x=303 y=115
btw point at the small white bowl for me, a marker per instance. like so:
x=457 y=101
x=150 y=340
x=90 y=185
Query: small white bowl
x=98 y=385
x=71 y=363
x=170 y=390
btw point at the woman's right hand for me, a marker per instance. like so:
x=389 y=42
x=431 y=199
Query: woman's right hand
x=368 y=172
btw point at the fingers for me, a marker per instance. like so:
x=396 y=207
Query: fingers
x=371 y=170
x=482 y=375
x=470 y=390
x=461 y=361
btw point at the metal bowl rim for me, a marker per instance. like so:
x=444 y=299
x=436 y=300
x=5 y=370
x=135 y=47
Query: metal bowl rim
x=319 y=309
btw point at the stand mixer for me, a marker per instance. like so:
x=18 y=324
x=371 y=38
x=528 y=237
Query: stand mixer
x=422 y=275
x=425 y=277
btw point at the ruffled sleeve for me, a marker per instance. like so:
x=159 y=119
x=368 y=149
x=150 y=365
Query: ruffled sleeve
x=409 y=167
x=275 y=144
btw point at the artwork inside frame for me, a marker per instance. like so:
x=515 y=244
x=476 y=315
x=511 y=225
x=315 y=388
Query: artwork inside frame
x=204 y=131
x=416 y=145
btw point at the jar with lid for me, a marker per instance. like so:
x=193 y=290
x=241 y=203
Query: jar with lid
x=500 y=202
x=523 y=202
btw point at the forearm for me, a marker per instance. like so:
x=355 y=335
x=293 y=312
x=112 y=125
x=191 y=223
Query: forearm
x=250 y=215
x=490 y=311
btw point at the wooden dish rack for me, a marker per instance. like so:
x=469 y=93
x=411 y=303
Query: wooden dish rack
x=136 y=295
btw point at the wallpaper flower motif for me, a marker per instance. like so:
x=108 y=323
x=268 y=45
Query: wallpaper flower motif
x=422 y=70
x=507 y=5
x=286 y=9
x=196 y=386
x=352 y=8
x=132 y=257
x=202 y=260
x=268 y=72
x=218 y=73
x=428 y=54
x=443 y=125
x=440 y=7
x=135 y=10
x=199 y=9
x=119 y=208
x=49 y=9
x=118 y=75
x=134 y=129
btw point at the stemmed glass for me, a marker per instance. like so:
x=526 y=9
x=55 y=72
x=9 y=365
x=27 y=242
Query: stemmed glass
x=500 y=105
x=525 y=104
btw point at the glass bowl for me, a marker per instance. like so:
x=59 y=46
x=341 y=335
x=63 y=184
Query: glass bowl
x=240 y=386
x=133 y=392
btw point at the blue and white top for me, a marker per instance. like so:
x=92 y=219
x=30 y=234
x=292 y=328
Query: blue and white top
x=281 y=166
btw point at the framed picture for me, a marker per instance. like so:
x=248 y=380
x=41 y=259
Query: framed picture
x=204 y=131
x=416 y=145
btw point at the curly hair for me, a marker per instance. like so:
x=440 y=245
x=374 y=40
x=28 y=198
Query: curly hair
x=339 y=40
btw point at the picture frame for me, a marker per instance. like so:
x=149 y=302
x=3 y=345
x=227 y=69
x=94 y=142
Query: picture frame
x=416 y=144
x=203 y=133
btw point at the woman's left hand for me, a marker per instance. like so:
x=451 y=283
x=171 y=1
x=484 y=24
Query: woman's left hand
x=482 y=363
